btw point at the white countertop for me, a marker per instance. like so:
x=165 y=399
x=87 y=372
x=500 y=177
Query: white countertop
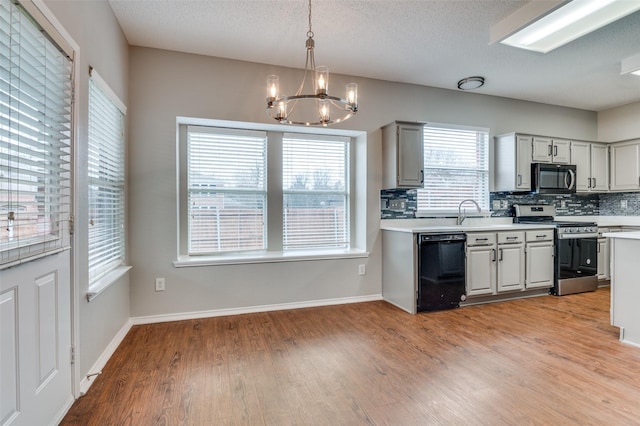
x=479 y=224
x=441 y=225
x=634 y=235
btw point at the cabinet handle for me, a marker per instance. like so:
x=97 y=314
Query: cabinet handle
x=594 y=182
x=481 y=239
x=493 y=255
x=421 y=176
x=520 y=180
x=541 y=236
x=598 y=248
x=512 y=238
x=550 y=151
x=500 y=255
x=555 y=150
x=589 y=184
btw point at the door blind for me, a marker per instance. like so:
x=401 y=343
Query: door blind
x=35 y=139
x=456 y=168
x=315 y=173
x=106 y=179
x=227 y=189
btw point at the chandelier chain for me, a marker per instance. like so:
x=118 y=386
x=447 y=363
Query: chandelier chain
x=310 y=33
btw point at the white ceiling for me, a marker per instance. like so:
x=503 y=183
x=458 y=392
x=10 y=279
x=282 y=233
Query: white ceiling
x=426 y=42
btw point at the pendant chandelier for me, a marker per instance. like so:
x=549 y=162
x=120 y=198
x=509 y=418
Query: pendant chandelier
x=317 y=108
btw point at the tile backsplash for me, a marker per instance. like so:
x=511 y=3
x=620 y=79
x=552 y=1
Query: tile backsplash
x=402 y=203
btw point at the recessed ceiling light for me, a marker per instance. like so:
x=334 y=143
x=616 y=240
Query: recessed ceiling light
x=471 y=83
x=542 y=29
x=631 y=65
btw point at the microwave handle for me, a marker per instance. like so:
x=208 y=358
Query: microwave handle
x=570 y=184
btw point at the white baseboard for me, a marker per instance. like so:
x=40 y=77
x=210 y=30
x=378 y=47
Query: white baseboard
x=88 y=379
x=251 y=309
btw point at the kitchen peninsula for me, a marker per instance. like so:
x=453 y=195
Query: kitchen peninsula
x=625 y=285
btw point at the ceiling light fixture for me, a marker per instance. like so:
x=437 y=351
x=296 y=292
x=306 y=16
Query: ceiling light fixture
x=471 y=83
x=317 y=109
x=545 y=26
x=631 y=65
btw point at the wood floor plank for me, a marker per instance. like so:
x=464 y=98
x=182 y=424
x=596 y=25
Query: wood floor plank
x=539 y=361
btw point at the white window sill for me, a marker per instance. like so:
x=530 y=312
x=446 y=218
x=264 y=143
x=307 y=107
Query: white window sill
x=105 y=282
x=268 y=257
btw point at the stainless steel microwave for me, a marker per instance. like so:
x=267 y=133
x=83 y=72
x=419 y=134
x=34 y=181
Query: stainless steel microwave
x=553 y=178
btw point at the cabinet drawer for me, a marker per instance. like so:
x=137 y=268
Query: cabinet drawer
x=481 y=239
x=541 y=235
x=510 y=237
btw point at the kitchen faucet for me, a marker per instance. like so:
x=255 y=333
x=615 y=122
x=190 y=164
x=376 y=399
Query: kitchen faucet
x=462 y=214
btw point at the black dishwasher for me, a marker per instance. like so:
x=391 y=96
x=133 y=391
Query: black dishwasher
x=441 y=271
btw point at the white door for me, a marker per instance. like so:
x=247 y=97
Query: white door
x=35 y=346
x=539 y=265
x=599 y=167
x=581 y=157
x=542 y=150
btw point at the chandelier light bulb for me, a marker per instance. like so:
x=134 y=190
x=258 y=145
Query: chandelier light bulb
x=273 y=83
x=352 y=95
x=322 y=76
x=325 y=116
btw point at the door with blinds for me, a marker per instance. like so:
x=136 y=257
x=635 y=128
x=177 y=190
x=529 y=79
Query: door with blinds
x=35 y=212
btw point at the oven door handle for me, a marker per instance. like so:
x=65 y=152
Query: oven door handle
x=572 y=182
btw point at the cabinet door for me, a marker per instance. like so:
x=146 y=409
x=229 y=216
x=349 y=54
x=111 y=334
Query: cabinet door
x=510 y=267
x=561 y=151
x=599 y=167
x=625 y=166
x=523 y=162
x=539 y=265
x=581 y=157
x=410 y=156
x=542 y=150
x=481 y=270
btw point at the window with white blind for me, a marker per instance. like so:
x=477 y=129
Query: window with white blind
x=456 y=168
x=35 y=139
x=227 y=190
x=263 y=193
x=315 y=176
x=106 y=179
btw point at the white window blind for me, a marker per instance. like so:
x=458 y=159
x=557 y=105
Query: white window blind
x=106 y=179
x=456 y=167
x=315 y=173
x=227 y=190
x=35 y=139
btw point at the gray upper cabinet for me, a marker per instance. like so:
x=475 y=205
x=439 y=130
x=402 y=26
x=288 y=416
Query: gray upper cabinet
x=548 y=150
x=592 y=166
x=513 y=162
x=625 y=166
x=403 y=155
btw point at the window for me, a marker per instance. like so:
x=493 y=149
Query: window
x=227 y=190
x=106 y=178
x=262 y=192
x=456 y=165
x=35 y=139
x=315 y=173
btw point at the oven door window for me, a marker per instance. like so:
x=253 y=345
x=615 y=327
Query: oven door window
x=578 y=257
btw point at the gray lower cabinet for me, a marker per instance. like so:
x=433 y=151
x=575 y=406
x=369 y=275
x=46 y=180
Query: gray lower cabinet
x=539 y=259
x=495 y=262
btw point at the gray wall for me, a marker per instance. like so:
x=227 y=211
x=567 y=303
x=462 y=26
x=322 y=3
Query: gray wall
x=618 y=124
x=166 y=84
x=94 y=28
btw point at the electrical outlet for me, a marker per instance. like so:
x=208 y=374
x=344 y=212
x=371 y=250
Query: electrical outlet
x=362 y=269
x=496 y=204
x=623 y=204
x=160 y=284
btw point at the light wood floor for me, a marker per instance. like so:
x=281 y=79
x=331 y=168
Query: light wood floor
x=540 y=361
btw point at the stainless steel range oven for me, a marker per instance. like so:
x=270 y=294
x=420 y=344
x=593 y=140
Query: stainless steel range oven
x=576 y=249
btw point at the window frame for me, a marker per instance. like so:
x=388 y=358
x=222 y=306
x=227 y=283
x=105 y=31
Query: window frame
x=484 y=202
x=96 y=279
x=274 y=251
